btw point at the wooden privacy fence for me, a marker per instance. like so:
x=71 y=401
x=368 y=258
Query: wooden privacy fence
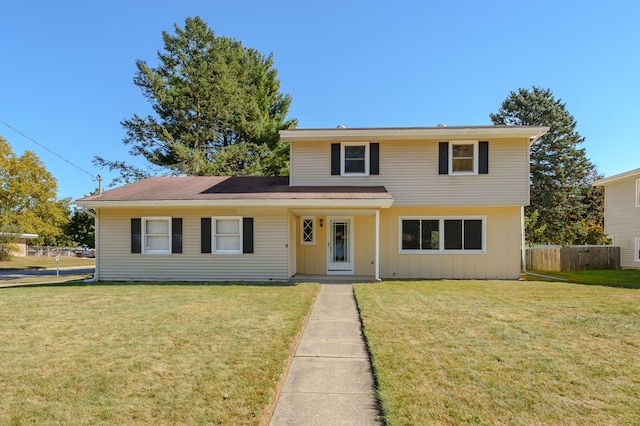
x=572 y=258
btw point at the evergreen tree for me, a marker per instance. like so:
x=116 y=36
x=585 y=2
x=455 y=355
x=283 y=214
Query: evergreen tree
x=564 y=208
x=217 y=105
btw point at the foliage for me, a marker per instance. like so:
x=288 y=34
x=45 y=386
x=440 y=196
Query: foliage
x=9 y=235
x=217 y=109
x=561 y=174
x=28 y=196
x=81 y=228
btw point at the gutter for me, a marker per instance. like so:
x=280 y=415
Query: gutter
x=97 y=240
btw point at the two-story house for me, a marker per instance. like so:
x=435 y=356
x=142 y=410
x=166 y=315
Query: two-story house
x=427 y=202
x=622 y=215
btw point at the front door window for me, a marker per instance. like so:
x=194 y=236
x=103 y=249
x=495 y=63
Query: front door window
x=340 y=246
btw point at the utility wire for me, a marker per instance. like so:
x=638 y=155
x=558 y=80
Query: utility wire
x=44 y=147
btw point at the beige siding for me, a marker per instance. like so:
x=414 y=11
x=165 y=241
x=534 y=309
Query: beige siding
x=502 y=259
x=622 y=218
x=409 y=171
x=268 y=262
x=312 y=259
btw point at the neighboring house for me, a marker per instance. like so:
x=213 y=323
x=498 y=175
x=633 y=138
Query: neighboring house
x=622 y=215
x=20 y=245
x=429 y=202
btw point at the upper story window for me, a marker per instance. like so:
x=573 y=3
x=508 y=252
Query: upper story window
x=355 y=158
x=463 y=157
x=442 y=235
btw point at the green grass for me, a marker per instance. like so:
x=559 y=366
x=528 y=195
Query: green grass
x=625 y=278
x=35 y=262
x=146 y=354
x=483 y=352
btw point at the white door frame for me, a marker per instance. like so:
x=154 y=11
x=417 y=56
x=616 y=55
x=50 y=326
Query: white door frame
x=342 y=268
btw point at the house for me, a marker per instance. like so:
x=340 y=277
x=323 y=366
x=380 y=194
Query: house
x=427 y=202
x=19 y=244
x=622 y=215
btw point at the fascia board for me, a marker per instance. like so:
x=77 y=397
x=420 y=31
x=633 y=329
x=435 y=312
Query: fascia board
x=341 y=202
x=335 y=135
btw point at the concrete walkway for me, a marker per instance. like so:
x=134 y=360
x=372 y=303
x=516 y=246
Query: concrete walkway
x=330 y=380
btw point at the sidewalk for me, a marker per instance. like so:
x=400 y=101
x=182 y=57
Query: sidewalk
x=330 y=380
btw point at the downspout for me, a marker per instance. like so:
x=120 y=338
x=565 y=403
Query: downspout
x=524 y=253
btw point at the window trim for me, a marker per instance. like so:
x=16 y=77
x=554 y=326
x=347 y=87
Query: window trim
x=145 y=249
x=214 y=224
x=637 y=251
x=637 y=192
x=476 y=155
x=313 y=231
x=367 y=159
x=442 y=237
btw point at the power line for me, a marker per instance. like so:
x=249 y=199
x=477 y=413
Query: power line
x=44 y=147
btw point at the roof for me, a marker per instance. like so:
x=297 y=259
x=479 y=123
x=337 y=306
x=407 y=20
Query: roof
x=225 y=190
x=411 y=133
x=632 y=173
x=25 y=236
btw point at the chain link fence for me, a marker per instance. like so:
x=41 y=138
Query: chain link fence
x=52 y=251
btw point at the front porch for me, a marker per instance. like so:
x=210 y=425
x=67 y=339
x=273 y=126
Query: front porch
x=334 y=245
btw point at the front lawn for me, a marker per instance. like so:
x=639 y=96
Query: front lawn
x=460 y=352
x=146 y=354
x=626 y=278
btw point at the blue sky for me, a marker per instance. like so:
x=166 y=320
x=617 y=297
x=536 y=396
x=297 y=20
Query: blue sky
x=67 y=67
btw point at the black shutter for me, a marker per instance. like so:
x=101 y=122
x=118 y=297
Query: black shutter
x=136 y=235
x=335 y=159
x=247 y=235
x=483 y=158
x=205 y=235
x=176 y=235
x=374 y=158
x=443 y=158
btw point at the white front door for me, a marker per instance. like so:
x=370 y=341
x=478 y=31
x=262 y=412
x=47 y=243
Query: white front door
x=340 y=250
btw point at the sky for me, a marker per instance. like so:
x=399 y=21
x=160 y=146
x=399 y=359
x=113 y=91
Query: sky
x=67 y=67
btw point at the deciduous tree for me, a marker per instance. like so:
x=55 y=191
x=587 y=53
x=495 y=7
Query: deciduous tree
x=217 y=109
x=568 y=210
x=28 y=196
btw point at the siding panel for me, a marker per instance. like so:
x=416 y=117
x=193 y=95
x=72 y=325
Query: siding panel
x=268 y=262
x=622 y=218
x=409 y=171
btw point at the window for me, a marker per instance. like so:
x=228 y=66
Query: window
x=355 y=159
x=156 y=235
x=463 y=157
x=637 y=250
x=227 y=234
x=442 y=235
x=307 y=231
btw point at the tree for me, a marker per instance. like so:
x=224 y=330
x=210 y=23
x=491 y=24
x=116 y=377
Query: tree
x=28 y=196
x=81 y=228
x=217 y=109
x=564 y=208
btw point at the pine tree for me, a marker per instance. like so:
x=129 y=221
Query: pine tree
x=561 y=210
x=217 y=105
